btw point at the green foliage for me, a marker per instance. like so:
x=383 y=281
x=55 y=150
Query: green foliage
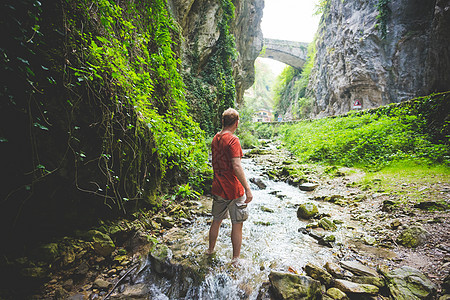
x=383 y=14
x=321 y=7
x=290 y=91
x=372 y=138
x=213 y=90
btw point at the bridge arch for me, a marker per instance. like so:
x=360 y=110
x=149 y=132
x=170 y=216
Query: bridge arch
x=288 y=52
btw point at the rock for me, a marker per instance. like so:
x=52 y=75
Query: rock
x=307 y=210
x=137 y=291
x=358 y=268
x=413 y=237
x=266 y=209
x=166 y=222
x=445 y=297
x=337 y=271
x=432 y=205
x=307 y=186
x=388 y=205
x=291 y=286
x=396 y=223
x=407 y=283
x=336 y=294
x=327 y=224
x=160 y=258
x=355 y=288
x=446 y=284
x=101 y=284
x=319 y=274
x=68 y=284
x=369 y=240
x=376 y=281
x=259 y=183
x=102 y=243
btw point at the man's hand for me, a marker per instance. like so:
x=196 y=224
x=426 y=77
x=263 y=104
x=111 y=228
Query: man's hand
x=249 y=196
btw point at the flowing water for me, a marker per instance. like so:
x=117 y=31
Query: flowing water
x=271 y=241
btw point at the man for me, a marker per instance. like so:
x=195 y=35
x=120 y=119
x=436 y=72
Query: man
x=230 y=189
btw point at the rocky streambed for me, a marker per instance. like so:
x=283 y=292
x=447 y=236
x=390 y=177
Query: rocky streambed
x=313 y=233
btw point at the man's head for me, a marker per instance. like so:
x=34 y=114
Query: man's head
x=229 y=117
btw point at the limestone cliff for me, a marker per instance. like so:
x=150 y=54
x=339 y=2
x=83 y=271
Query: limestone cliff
x=202 y=23
x=355 y=62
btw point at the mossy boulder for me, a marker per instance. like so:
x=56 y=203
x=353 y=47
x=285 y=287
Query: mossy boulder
x=407 y=283
x=101 y=243
x=292 y=286
x=413 y=237
x=307 y=211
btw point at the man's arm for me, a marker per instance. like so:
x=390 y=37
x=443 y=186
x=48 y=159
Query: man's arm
x=239 y=172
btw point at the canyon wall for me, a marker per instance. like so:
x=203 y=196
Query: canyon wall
x=354 y=61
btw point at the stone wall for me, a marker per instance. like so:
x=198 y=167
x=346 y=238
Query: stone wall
x=353 y=62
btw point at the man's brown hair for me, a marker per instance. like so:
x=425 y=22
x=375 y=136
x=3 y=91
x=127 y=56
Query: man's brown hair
x=229 y=116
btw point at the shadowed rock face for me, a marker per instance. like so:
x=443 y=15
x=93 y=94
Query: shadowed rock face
x=199 y=22
x=353 y=62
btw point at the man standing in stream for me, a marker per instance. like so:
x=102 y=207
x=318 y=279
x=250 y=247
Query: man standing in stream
x=230 y=189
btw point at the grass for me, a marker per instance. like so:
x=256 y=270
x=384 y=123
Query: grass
x=411 y=181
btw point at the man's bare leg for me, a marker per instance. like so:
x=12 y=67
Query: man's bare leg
x=213 y=234
x=236 y=239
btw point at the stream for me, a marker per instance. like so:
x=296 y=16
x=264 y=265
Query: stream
x=271 y=241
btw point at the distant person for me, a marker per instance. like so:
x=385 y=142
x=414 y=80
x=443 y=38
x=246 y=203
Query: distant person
x=230 y=189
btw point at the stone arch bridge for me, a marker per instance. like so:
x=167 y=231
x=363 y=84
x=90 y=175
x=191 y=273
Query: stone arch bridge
x=288 y=52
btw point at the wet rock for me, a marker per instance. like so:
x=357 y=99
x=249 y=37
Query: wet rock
x=138 y=291
x=336 y=294
x=160 y=258
x=68 y=284
x=166 y=222
x=307 y=186
x=337 y=271
x=318 y=273
x=292 y=286
x=259 y=183
x=376 y=281
x=413 y=237
x=101 y=284
x=358 y=268
x=407 y=283
x=327 y=224
x=355 y=288
x=307 y=210
x=266 y=209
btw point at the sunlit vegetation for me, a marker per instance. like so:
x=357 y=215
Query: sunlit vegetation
x=416 y=130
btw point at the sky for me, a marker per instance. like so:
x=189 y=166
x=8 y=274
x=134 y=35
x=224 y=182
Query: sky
x=290 y=20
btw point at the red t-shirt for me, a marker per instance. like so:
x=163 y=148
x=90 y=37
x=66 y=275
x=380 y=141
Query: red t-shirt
x=225 y=183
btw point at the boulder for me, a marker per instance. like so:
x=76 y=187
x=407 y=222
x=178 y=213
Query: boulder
x=407 y=283
x=47 y=252
x=292 y=286
x=319 y=274
x=376 y=281
x=336 y=294
x=355 y=288
x=102 y=243
x=358 y=268
x=307 y=186
x=101 y=284
x=307 y=210
x=413 y=237
x=138 y=291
